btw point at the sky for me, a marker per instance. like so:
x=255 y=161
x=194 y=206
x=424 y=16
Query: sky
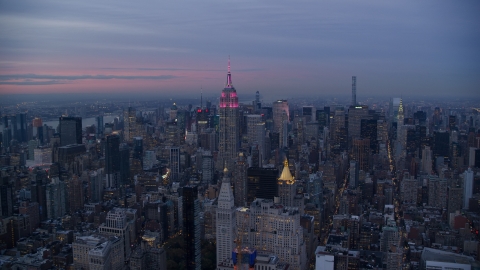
x=280 y=48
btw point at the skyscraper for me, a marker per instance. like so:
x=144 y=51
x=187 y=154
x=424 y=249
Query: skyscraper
x=70 y=130
x=100 y=126
x=354 y=90
x=191 y=227
x=281 y=116
x=225 y=222
x=228 y=126
x=467 y=187
x=129 y=126
x=262 y=183
x=112 y=161
x=22 y=127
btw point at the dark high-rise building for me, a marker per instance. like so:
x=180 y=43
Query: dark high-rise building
x=441 y=141
x=354 y=90
x=368 y=130
x=420 y=118
x=261 y=183
x=112 y=161
x=138 y=147
x=22 y=127
x=6 y=200
x=124 y=165
x=452 y=122
x=70 y=130
x=191 y=228
x=100 y=126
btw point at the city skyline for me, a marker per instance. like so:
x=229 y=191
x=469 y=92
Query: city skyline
x=394 y=49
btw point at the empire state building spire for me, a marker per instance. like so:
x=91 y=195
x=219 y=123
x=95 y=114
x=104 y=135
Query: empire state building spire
x=229 y=76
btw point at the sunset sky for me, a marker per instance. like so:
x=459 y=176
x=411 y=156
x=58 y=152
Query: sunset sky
x=279 y=48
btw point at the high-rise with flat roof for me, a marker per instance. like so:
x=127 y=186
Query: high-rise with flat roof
x=70 y=130
x=191 y=228
x=112 y=161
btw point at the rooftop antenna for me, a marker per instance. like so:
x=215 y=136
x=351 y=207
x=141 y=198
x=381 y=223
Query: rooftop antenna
x=201 y=97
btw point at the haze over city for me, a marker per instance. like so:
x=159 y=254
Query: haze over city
x=181 y=48
x=233 y=135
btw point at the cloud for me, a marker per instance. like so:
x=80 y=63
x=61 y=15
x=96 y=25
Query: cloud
x=36 y=79
x=29 y=82
x=81 y=77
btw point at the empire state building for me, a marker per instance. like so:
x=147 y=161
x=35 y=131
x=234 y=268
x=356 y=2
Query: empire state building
x=228 y=126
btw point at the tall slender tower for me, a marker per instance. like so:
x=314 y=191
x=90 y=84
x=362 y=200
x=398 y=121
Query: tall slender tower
x=228 y=127
x=225 y=223
x=354 y=91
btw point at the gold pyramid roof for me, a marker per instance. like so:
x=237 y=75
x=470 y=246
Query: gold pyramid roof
x=286 y=174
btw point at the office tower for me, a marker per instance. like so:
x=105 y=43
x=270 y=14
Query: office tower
x=262 y=183
x=70 y=130
x=95 y=186
x=437 y=192
x=207 y=167
x=173 y=112
x=30 y=209
x=264 y=217
x=112 y=161
x=353 y=179
x=369 y=131
x=441 y=144
x=174 y=163
x=286 y=186
x=202 y=119
x=361 y=153
x=228 y=126
x=240 y=181
x=129 y=124
x=55 y=199
x=38 y=129
x=100 y=126
x=31 y=148
x=354 y=91
x=226 y=228
x=455 y=202
x=22 y=127
x=426 y=160
x=138 y=148
x=452 y=122
x=409 y=190
x=124 y=152
x=6 y=200
x=6 y=139
x=191 y=227
x=390 y=237
x=355 y=116
x=116 y=224
x=75 y=194
x=467 y=187
x=252 y=121
x=149 y=159
x=281 y=118
x=338 y=131
x=420 y=118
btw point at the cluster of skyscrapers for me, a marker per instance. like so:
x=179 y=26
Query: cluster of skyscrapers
x=284 y=185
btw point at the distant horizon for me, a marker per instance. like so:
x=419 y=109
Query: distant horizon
x=279 y=48
x=213 y=97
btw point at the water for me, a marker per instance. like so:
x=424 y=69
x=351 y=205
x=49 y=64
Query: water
x=85 y=121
